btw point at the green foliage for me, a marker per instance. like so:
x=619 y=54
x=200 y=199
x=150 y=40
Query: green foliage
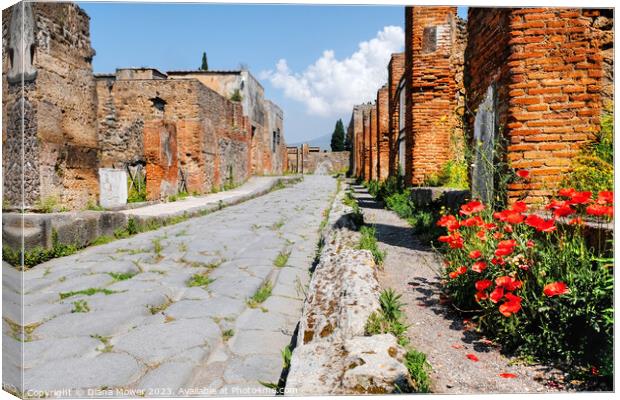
x=453 y=174
x=236 y=96
x=593 y=169
x=102 y=240
x=418 y=368
x=49 y=204
x=80 y=306
x=204 y=64
x=38 y=254
x=160 y=307
x=200 y=279
x=282 y=258
x=136 y=193
x=356 y=216
x=227 y=334
x=261 y=295
x=92 y=206
x=105 y=340
x=287 y=354
x=337 y=142
x=122 y=276
x=178 y=196
x=368 y=241
x=86 y=292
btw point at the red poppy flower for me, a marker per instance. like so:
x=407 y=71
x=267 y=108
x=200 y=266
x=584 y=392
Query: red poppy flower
x=505 y=247
x=540 y=224
x=555 y=289
x=448 y=221
x=475 y=254
x=473 y=221
x=498 y=261
x=561 y=208
x=512 y=306
x=481 y=296
x=519 y=206
x=510 y=216
x=605 y=197
x=507 y=375
x=508 y=282
x=461 y=270
x=497 y=294
x=566 y=192
x=483 y=284
x=471 y=208
x=490 y=226
x=481 y=234
x=580 y=197
x=523 y=173
x=453 y=275
x=473 y=357
x=598 y=210
x=498 y=235
x=479 y=266
x=530 y=243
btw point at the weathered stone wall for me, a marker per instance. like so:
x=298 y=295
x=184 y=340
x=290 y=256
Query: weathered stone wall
x=357 y=130
x=396 y=68
x=160 y=152
x=366 y=153
x=430 y=34
x=59 y=101
x=372 y=173
x=546 y=68
x=212 y=137
x=383 y=138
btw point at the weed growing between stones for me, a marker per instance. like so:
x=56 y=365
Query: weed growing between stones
x=122 y=276
x=178 y=196
x=282 y=258
x=287 y=354
x=227 y=334
x=102 y=240
x=160 y=307
x=390 y=319
x=356 y=216
x=157 y=249
x=105 y=340
x=368 y=241
x=80 y=306
x=38 y=254
x=260 y=296
x=87 y=292
x=277 y=225
x=92 y=206
x=21 y=333
x=201 y=279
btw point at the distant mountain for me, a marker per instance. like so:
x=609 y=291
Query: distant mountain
x=324 y=142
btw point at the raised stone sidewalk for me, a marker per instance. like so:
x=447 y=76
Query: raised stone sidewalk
x=146 y=331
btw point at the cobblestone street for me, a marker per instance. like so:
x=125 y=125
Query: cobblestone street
x=168 y=309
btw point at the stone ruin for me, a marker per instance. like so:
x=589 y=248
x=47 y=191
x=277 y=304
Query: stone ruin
x=75 y=123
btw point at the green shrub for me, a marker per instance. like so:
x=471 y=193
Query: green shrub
x=137 y=192
x=453 y=174
x=593 y=169
x=368 y=241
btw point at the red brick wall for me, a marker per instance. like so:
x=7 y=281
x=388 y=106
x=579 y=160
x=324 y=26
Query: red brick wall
x=372 y=172
x=396 y=68
x=366 y=144
x=383 y=138
x=431 y=91
x=547 y=68
x=160 y=151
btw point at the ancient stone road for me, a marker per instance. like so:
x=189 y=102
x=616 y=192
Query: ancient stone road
x=153 y=332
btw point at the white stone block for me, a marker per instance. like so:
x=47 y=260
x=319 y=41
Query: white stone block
x=112 y=187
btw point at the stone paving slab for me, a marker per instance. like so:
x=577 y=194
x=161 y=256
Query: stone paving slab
x=168 y=325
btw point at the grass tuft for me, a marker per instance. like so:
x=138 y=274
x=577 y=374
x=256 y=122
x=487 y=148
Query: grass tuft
x=261 y=295
x=282 y=258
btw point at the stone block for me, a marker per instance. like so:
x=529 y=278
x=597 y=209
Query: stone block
x=112 y=187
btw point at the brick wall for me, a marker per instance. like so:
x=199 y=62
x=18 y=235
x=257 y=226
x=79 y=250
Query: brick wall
x=160 y=152
x=383 y=138
x=431 y=89
x=373 y=155
x=396 y=68
x=357 y=130
x=366 y=143
x=547 y=67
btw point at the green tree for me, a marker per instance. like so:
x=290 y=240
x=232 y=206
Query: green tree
x=205 y=65
x=338 y=137
x=347 y=142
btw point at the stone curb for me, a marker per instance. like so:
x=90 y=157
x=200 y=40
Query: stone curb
x=333 y=355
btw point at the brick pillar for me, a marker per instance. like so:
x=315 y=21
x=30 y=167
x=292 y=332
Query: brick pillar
x=160 y=152
x=383 y=138
x=366 y=144
x=431 y=89
x=372 y=171
x=396 y=67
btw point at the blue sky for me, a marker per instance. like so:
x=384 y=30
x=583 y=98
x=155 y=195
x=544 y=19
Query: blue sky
x=173 y=36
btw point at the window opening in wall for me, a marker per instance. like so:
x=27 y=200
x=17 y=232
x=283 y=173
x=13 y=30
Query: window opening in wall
x=429 y=39
x=273 y=141
x=159 y=106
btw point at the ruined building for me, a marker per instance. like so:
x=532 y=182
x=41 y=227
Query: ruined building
x=49 y=93
x=382 y=135
x=516 y=88
x=536 y=82
x=186 y=132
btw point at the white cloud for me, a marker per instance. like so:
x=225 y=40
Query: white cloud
x=330 y=86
